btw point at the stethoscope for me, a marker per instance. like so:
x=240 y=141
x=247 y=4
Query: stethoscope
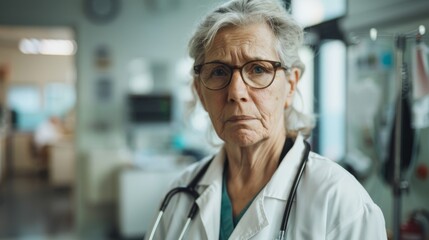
x=190 y=190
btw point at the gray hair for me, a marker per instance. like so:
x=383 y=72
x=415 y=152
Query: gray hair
x=288 y=33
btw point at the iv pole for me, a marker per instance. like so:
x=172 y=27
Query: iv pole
x=399 y=185
x=403 y=86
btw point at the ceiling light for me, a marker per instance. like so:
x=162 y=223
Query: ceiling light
x=47 y=46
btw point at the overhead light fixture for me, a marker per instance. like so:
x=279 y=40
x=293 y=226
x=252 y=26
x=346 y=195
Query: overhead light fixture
x=373 y=34
x=47 y=46
x=422 y=30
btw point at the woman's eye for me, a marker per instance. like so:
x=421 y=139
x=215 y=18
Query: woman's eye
x=219 y=72
x=258 y=69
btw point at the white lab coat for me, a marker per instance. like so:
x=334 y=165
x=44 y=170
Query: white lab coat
x=330 y=204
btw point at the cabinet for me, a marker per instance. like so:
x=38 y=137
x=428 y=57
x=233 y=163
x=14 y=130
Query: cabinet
x=140 y=196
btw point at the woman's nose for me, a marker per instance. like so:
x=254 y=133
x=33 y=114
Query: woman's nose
x=237 y=88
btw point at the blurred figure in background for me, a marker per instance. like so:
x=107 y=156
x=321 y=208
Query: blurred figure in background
x=46 y=134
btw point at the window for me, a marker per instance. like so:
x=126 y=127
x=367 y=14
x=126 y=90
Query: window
x=25 y=101
x=33 y=106
x=59 y=98
x=332 y=98
x=312 y=12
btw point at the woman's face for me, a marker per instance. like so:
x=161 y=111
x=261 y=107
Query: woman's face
x=242 y=115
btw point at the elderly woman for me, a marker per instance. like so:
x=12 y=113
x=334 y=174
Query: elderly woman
x=246 y=73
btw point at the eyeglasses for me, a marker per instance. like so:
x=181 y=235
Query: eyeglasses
x=256 y=74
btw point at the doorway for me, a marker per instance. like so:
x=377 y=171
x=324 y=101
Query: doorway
x=37 y=123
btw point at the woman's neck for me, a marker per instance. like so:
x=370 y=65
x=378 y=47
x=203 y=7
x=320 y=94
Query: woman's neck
x=255 y=162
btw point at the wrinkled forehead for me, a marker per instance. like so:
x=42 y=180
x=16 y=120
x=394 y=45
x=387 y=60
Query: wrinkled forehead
x=252 y=41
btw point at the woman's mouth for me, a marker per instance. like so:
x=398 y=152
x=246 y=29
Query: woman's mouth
x=238 y=118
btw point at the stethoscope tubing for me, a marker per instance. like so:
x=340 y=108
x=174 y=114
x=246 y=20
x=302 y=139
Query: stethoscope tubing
x=292 y=193
x=192 y=212
x=190 y=191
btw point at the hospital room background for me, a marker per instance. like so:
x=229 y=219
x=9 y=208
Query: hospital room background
x=96 y=113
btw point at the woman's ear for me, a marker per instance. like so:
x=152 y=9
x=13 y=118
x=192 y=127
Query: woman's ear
x=197 y=89
x=293 y=79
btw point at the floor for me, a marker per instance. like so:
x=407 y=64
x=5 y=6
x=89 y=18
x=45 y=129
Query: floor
x=31 y=209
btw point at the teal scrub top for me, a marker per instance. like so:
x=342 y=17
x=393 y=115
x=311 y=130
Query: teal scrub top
x=227 y=220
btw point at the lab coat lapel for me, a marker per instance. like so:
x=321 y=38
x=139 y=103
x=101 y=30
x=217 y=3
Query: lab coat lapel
x=281 y=182
x=253 y=221
x=210 y=199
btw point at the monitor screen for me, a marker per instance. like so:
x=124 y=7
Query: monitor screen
x=150 y=108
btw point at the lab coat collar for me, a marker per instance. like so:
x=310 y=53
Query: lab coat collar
x=214 y=173
x=281 y=182
x=210 y=199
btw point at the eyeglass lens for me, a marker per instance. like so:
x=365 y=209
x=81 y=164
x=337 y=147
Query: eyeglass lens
x=257 y=74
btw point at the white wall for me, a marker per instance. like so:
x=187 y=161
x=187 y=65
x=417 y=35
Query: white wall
x=156 y=35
